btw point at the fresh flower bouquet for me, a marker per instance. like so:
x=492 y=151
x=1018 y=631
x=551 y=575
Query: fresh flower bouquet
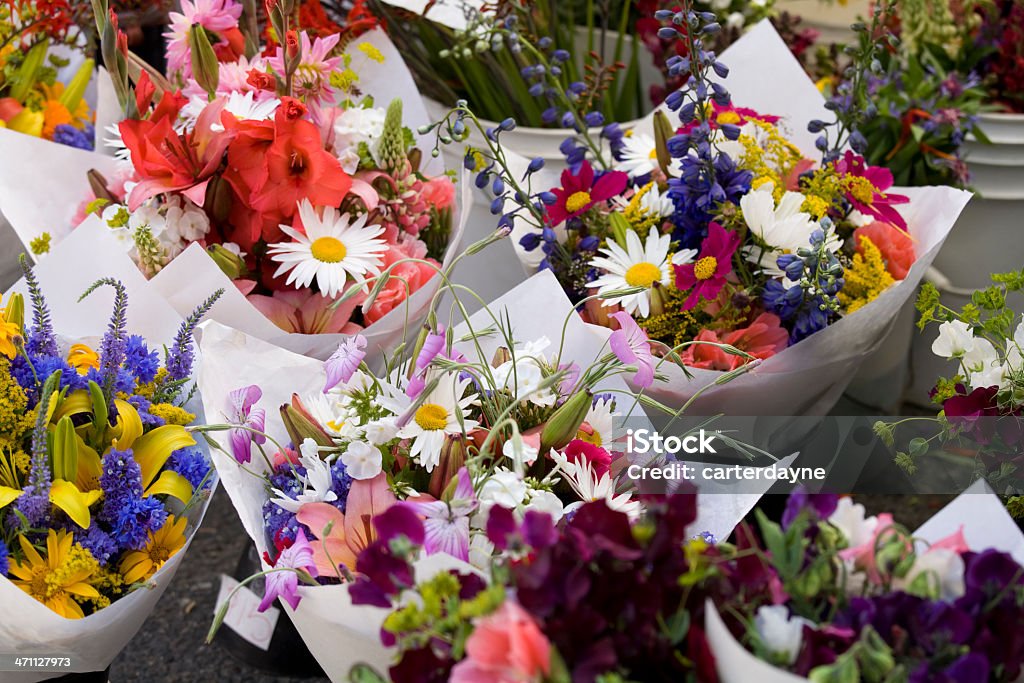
x=853 y=597
x=296 y=182
x=32 y=99
x=979 y=428
x=721 y=230
x=101 y=481
x=599 y=596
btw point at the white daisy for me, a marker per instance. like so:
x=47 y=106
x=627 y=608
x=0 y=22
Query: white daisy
x=115 y=142
x=597 y=428
x=243 y=105
x=638 y=156
x=437 y=416
x=784 y=228
x=589 y=487
x=330 y=251
x=634 y=266
x=316 y=483
x=652 y=202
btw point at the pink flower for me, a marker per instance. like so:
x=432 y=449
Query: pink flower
x=706 y=276
x=307 y=312
x=250 y=421
x=284 y=584
x=216 y=16
x=630 y=345
x=868 y=195
x=582 y=452
x=763 y=338
x=579 y=192
x=863 y=555
x=344 y=362
x=439 y=192
x=312 y=79
x=405 y=275
x=446 y=522
x=433 y=346
x=506 y=646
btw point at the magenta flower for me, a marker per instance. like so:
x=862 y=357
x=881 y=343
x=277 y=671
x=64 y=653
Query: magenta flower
x=433 y=346
x=241 y=412
x=344 y=362
x=446 y=523
x=706 y=276
x=867 y=190
x=631 y=346
x=579 y=192
x=285 y=584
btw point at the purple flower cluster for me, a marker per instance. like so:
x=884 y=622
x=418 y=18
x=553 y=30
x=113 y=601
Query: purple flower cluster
x=129 y=515
x=139 y=360
x=4 y=561
x=83 y=138
x=191 y=464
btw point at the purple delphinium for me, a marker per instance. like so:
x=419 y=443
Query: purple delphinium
x=4 y=560
x=66 y=134
x=40 y=338
x=113 y=345
x=34 y=502
x=139 y=360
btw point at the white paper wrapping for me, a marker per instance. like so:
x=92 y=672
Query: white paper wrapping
x=27 y=626
x=985 y=523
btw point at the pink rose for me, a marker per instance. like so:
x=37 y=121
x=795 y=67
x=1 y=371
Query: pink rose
x=506 y=646
x=405 y=278
x=439 y=192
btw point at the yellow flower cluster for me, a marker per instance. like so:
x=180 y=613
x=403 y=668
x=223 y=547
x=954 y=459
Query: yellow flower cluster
x=15 y=418
x=769 y=156
x=866 y=277
x=640 y=218
x=372 y=52
x=171 y=414
x=674 y=326
x=822 y=190
x=148 y=389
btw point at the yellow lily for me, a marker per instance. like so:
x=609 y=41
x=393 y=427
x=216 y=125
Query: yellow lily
x=129 y=425
x=28 y=122
x=8 y=496
x=153 y=449
x=171 y=483
x=81 y=358
x=90 y=467
x=75 y=403
x=75 y=503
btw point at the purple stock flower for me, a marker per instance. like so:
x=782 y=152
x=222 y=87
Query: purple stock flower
x=446 y=523
x=344 y=362
x=630 y=345
x=241 y=412
x=284 y=584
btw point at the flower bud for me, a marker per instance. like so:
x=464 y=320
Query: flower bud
x=453 y=457
x=300 y=425
x=229 y=262
x=563 y=425
x=14 y=312
x=663 y=132
x=205 y=67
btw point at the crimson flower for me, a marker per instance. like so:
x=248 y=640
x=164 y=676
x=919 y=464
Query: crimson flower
x=580 y=192
x=706 y=276
x=866 y=189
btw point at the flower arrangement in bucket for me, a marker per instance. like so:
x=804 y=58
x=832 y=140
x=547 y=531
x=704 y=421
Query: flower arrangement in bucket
x=33 y=100
x=717 y=229
x=101 y=481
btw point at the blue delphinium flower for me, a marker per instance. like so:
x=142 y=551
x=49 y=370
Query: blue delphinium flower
x=809 y=303
x=66 y=134
x=281 y=524
x=4 y=563
x=191 y=464
x=137 y=520
x=698 y=191
x=142 y=362
x=142 y=406
x=99 y=543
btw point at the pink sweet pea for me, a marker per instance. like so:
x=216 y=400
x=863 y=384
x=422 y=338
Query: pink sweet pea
x=631 y=346
x=505 y=646
x=242 y=412
x=344 y=362
x=284 y=584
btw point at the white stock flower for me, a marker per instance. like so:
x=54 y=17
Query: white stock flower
x=316 y=482
x=504 y=488
x=362 y=461
x=381 y=431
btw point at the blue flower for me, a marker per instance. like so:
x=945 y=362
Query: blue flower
x=136 y=520
x=191 y=464
x=4 y=563
x=341 y=484
x=142 y=406
x=66 y=134
x=142 y=362
x=99 y=543
x=35 y=507
x=44 y=366
x=121 y=483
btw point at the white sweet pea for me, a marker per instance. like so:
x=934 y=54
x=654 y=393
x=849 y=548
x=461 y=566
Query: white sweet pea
x=982 y=366
x=362 y=461
x=944 y=572
x=781 y=633
x=316 y=483
x=546 y=502
x=504 y=488
x=519 y=452
x=851 y=521
x=381 y=431
x=954 y=340
x=524 y=375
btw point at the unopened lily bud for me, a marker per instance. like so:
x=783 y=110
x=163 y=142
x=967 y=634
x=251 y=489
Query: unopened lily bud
x=657 y=299
x=663 y=132
x=218 y=198
x=565 y=423
x=228 y=261
x=300 y=425
x=453 y=457
x=205 y=67
x=98 y=185
x=501 y=356
x=620 y=228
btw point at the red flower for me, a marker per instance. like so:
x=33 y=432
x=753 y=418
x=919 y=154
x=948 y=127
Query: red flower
x=706 y=275
x=867 y=189
x=731 y=115
x=895 y=245
x=169 y=162
x=581 y=452
x=579 y=192
x=763 y=338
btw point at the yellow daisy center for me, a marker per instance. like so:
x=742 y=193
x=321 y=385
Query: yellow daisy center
x=431 y=417
x=705 y=268
x=328 y=250
x=589 y=434
x=577 y=201
x=643 y=275
x=159 y=553
x=653 y=154
x=729 y=117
